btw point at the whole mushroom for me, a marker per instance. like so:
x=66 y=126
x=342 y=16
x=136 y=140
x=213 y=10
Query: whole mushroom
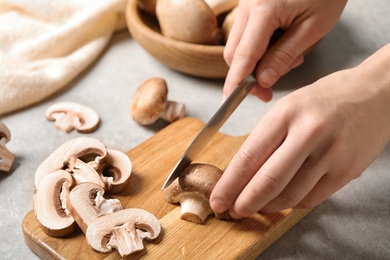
x=6 y=157
x=150 y=103
x=188 y=20
x=192 y=190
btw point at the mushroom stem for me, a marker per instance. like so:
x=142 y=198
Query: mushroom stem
x=173 y=111
x=195 y=209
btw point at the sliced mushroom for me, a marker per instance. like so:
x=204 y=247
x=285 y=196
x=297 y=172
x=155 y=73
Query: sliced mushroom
x=86 y=203
x=188 y=20
x=150 y=103
x=83 y=172
x=89 y=150
x=6 y=157
x=123 y=230
x=115 y=171
x=71 y=115
x=221 y=6
x=192 y=190
x=49 y=200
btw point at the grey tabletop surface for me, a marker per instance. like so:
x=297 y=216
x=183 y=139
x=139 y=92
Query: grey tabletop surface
x=352 y=224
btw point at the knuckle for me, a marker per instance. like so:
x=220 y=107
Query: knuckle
x=288 y=199
x=283 y=57
x=268 y=184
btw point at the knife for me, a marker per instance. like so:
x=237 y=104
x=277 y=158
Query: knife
x=211 y=128
x=218 y=119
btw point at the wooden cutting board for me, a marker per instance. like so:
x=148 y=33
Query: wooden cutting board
x=152 y=161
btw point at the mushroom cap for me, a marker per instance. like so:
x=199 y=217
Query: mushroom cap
x=199 y=178
x=69 y=115
x=123 y=230
x=49 y=201
x=149 y=101
x=188 y=20
x=228 y=23
x=87 y=149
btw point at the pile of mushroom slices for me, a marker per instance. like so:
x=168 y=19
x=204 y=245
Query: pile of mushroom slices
x=69 y=190
x=6 y=157
x=193 y=189
x=194 y=21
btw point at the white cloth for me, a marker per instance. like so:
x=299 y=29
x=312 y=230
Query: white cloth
x=44 y=44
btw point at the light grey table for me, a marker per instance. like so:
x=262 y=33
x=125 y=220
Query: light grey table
x=352 y=224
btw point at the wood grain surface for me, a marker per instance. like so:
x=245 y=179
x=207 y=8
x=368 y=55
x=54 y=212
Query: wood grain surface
x=152 y=161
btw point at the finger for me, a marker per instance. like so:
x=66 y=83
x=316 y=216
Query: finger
x=259 y=145
x=325 y=187
x=235 y=33
x=301 y=184
x=283 y=55
x=248 y=51
x=272 y=178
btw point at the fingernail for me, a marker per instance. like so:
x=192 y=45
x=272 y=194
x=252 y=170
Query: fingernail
x=268 y=76
x=218 y=205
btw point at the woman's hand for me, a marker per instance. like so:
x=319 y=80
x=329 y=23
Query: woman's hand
x=311 y=143
x=304 y=21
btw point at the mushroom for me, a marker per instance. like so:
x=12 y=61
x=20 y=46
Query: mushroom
x=86 y=203
x=192 y=190
x=228 y=23
x=88 y=150
x=123 y=230
x=115 y=171
x=148 y=6
x=70 y=115
x=221 y=6
x=49 y=201
x=188 y=20
x=150 y=103
x=6 y=157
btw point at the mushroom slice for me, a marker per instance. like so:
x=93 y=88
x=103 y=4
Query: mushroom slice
x=123 y=230
x=115 y=171
x=49 y=200
x=150 y=103
x=86 y=203
x=70 y=115
x=188 y=20
x=89 y=150
x=192 y=190
x=6 y=157
x=83 y=172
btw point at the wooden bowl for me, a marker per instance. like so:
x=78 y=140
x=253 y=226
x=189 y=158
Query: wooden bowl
x=199 y=60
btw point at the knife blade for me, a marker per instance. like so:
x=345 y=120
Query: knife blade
x=211 y=128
